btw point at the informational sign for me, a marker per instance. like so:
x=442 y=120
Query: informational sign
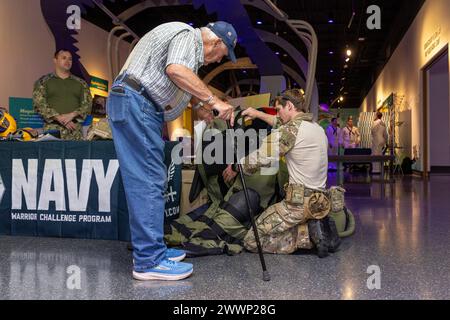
x=433 y=42
x=22 y=111
x=69 y=189
x=99 y=87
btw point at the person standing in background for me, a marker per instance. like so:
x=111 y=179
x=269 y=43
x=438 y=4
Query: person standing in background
x=62 y=99
x=379 y=139
x=350 y=136
x=333 y=134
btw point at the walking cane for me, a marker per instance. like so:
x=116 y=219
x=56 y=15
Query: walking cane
x=266 y=275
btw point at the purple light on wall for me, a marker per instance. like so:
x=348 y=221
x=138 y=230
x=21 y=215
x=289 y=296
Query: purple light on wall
x=324 y=107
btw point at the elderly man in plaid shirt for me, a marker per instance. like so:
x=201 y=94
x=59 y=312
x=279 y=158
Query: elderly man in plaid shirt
x=156 y=84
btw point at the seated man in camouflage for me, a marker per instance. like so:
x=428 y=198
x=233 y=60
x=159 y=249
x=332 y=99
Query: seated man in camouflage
x=62 y=99
x=300 y=221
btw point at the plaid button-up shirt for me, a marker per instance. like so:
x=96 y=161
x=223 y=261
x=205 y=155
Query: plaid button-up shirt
x=169 y=43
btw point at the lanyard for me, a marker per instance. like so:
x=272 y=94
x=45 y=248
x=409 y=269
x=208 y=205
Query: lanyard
x=350 y=131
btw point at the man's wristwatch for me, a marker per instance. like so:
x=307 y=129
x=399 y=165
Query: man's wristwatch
x=198 y=105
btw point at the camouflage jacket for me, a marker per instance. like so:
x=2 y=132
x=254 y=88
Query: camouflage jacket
x=41 y=105
x=276 y=145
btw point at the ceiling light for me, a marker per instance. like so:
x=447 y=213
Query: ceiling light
x=347 y=60
x=330 y=52
x=331 y=18
x=361 y=39
x=259 y=22
x=349 y=52
x=277 y=53
x=331 y=71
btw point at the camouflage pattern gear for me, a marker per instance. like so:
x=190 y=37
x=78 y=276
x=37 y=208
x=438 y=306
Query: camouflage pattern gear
x=276 y=145
x=337 y=198
x=316 y=203
x=317 y=206
x=100 y=130
x=64 y=133
x=48 y=112
x=342 y=216
x=282 y=229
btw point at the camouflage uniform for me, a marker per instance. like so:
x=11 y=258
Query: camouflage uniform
x=283 y=227
x=41 y=106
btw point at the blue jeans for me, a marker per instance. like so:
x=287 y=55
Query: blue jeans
x=137 y=132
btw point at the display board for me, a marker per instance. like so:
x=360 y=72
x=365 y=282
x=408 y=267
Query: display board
x=22 y=111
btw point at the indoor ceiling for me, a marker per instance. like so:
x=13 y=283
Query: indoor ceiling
x=333 y=23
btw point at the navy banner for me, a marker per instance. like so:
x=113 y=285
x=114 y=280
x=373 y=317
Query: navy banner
x=69 y=189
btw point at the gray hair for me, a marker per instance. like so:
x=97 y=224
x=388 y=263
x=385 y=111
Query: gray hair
x=208 y=34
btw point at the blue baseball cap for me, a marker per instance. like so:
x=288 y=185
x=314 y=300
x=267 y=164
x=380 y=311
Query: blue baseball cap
x=226 y=32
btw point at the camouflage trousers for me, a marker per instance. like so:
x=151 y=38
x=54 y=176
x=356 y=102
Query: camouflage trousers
x=65 y=133
x=282 y=229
